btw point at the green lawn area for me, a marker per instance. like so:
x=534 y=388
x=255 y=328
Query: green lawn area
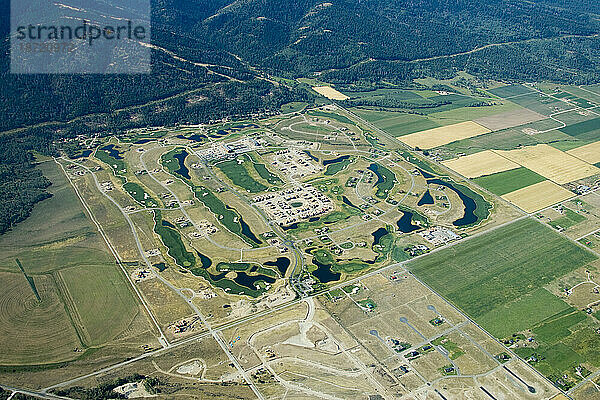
x=239 y=175
x=174 y=162
x=324 y=256
x=334 y=168
x=172 y=240
x=493 y=269
x=453 y=349
x=329 y=115
x=263 y=171
x=117 y=164
x=139 y=194
x=569 y=219
x=508 y=181
x=227 y=216
x=385 y=180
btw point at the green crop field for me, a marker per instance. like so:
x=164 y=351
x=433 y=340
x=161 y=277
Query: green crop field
x=574 y=99
x=478 y=277
x=522 y=313
x=586 y=130
x=510 y=90
x=58 y=234
x=498 y=279
x=102 y=299
x=555 y=329
x=541 y=104
x=508 y=181
x=85 y=300
x=507 y=139
x=239 y=175
x=395 y=123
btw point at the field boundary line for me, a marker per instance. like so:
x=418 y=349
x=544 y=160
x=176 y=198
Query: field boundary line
x=116 y=256
x=71 y=309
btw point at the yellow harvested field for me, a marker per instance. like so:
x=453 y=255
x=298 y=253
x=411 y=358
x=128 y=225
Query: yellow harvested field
x=551 y=163
x=443 y=135
x=589 y=152
x=330 y=93
x=483 y=163
x=538 y=196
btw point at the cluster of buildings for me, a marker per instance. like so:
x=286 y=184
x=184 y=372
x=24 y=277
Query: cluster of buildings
x=185 y=325
x=294 y=205
x=439 y=235
x=226 y=150
x=204 y=228
x=295 y=163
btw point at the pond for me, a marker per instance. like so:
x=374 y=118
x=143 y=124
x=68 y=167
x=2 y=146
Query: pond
x=324 y=273
x=378 y=234
x=282 y=264
x=405 y=224
x=246 y=231
x=335 y=160
x=308 y=153
x=469 y=216
x=426 y=199
x=183 y=170
x=249 y=281
x=114 y=153
x=348 y=202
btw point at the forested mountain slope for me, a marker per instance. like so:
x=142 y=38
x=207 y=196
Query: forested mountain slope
x=211 y=59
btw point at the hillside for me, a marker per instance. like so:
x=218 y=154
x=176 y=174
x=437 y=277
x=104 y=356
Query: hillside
x=213 y=59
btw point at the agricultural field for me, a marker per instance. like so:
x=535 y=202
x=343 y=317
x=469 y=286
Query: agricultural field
x=551 y=163
x=72 y=301
x=330 y=93
x=436 y=137
x=538 y=196
x=589 y=153
x=487 y=280
x=511 y=302
x=508 y=181
x=480 y=164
